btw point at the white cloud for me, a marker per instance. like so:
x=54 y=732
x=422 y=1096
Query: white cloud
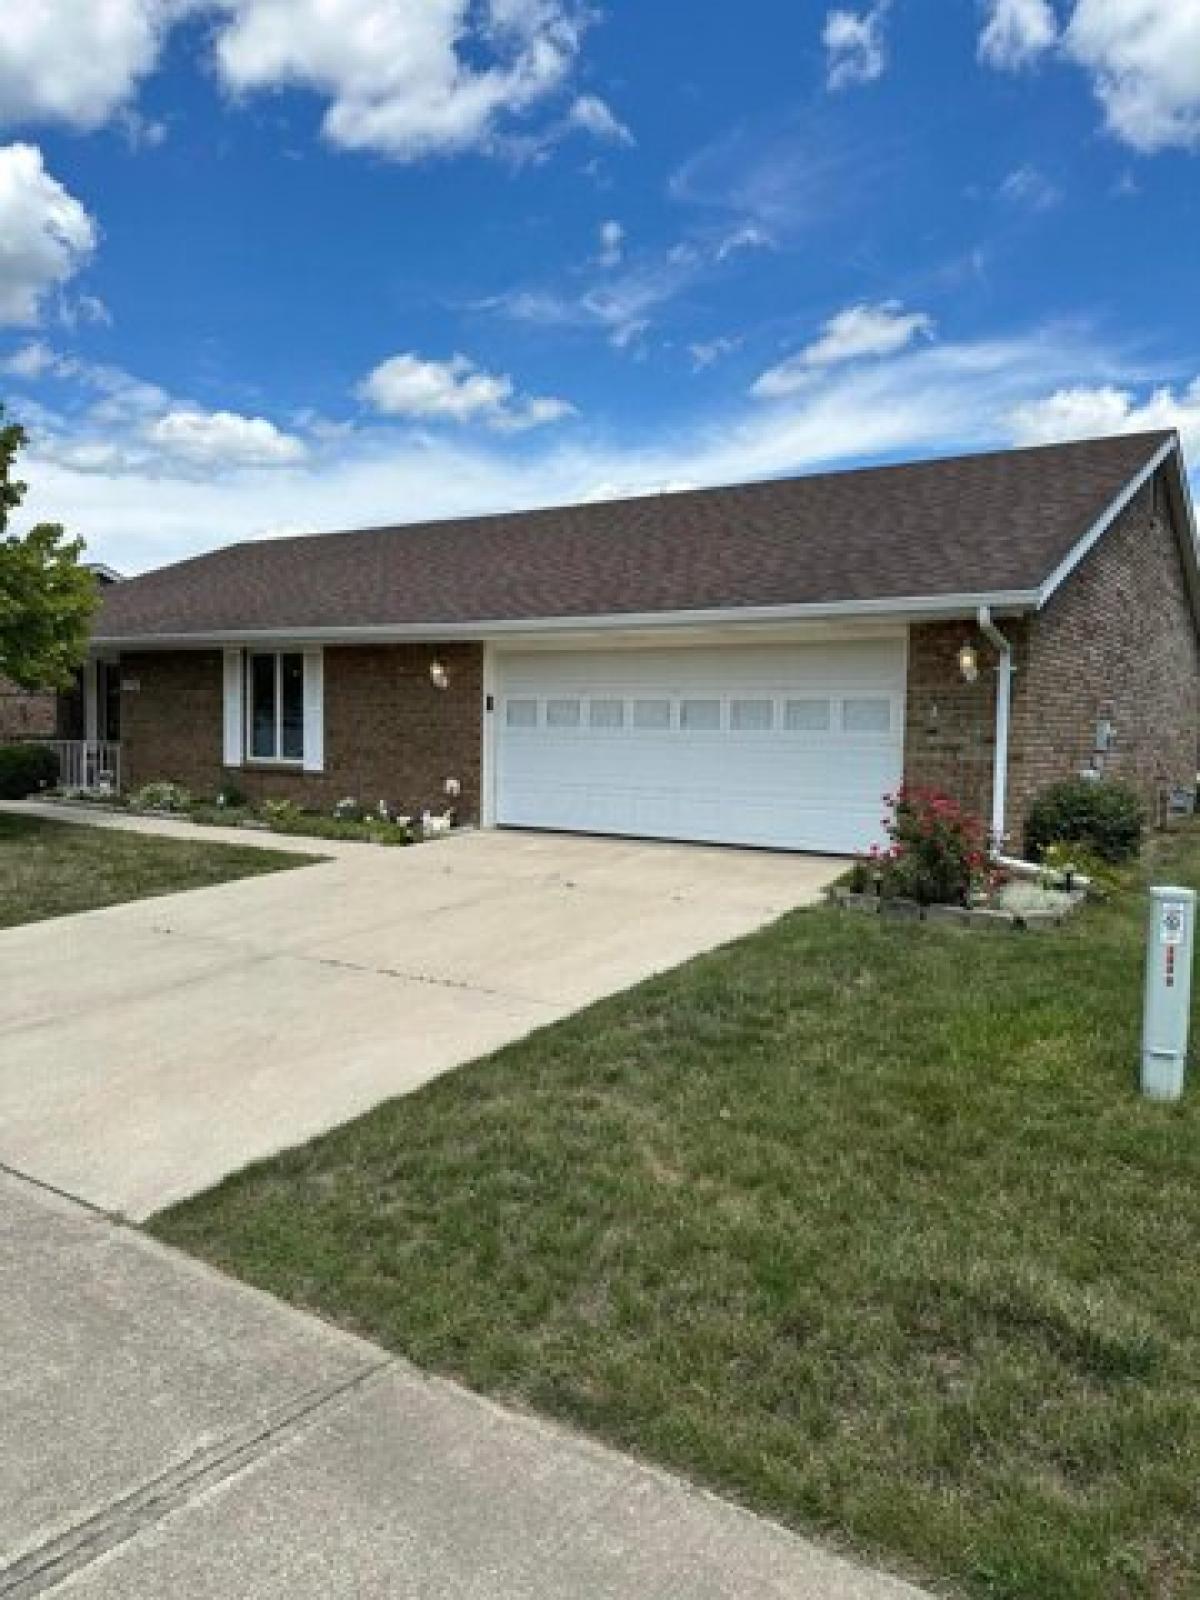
x=45 y=234
x=623 y=305
x=406 y=78
x=707 y=352
x=927 y=398
x=29 y=362
x=1031 y=189
x=76 y=61
x=747 y=237
x=83 y=309
x=1017 y=32
x=1077 y=413
x=618 y=305
x=857 y=332
x=142 y=132
x=855 y=48
x=115 y=422
x=455 y=391
x=1144 y=56
x=224 y=439
x=596 y=117
x=612 y=244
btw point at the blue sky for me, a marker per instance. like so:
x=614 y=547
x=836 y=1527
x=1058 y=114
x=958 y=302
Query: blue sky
x=270 y=265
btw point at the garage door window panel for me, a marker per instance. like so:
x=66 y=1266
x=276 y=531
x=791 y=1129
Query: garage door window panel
x=807 y=716
x=867 y=715
x=700 y=716
x=606 y=713
x=562 y=713
x=751 y=716
x=652 y=715
x=521 y=713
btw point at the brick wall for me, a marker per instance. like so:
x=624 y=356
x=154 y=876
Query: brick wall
x=1117 y=641
x=26 y=713
x=950 y=725
x=389 y=734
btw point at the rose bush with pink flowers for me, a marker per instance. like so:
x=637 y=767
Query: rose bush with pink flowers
x=937 y=855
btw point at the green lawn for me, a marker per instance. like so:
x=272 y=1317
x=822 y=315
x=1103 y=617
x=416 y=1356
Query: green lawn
x=862 y=1224
x=49 y=869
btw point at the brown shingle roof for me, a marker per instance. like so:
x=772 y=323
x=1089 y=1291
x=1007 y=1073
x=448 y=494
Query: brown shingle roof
x=983 y=524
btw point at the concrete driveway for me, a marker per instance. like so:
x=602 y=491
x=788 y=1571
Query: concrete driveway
x=150 y=1049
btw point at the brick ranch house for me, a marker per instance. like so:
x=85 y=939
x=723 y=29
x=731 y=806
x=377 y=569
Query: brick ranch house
x=752 y=665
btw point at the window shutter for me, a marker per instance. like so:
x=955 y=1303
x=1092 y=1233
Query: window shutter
x=235 y=721
x=314 y=711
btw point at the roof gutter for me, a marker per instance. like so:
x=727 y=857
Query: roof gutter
x=901 y=610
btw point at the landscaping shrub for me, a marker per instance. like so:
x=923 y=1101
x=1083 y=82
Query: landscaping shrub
x=1104 y=817
x=314 y=825
x=25 y=769
x=938 y=851
x=161 y=795
x=1062 y=864
x=230 y=797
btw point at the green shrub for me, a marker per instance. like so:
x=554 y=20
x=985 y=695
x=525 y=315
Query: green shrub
x=281 y=813
x=25 y=769
x=313 y=825
x=161 y=795
x=231 y=797
x=1104 y=817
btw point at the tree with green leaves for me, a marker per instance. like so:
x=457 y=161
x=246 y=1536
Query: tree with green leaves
x=47 y=598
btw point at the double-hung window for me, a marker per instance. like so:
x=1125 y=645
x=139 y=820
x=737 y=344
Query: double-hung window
x=275 y=705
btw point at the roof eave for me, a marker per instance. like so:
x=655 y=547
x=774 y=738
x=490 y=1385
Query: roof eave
x=900 y=610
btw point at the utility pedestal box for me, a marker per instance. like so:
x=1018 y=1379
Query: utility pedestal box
x=1169 y=943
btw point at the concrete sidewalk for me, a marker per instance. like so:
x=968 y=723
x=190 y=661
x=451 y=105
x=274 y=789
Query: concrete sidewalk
x=167 y=1431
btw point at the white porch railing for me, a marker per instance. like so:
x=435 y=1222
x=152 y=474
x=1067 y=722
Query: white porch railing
x=91 y=765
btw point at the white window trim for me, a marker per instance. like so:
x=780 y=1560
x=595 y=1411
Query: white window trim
x=313 y=759
x=233 y=732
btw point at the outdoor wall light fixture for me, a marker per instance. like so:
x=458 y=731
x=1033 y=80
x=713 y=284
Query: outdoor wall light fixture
x=438 y=676
x=968 y=663
x=452 y=788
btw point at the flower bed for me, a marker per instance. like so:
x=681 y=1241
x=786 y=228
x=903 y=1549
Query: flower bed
x=1051 y=912
x=938 y=867
x=348 y=821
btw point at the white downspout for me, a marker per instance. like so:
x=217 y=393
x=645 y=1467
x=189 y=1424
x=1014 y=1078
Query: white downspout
x=1004 y=672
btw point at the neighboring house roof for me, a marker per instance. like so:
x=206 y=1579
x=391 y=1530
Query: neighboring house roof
x=103 y=573
x=931 y=537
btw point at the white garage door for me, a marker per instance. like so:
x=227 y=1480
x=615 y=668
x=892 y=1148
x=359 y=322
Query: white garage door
x=790 y=746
